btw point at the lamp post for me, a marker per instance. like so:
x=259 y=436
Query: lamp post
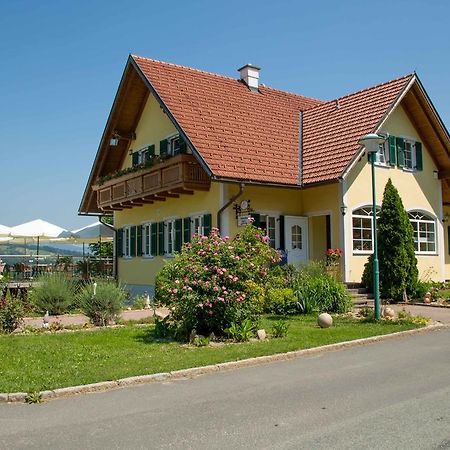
x=372 y=143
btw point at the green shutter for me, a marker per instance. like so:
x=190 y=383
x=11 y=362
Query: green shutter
x=256 y=219
x=149 y=153
x=400 y=143
x=154 y=239
x=133 y=234
x=119 y=243
x=207 y=219
x=187 y=229
x=183 y=145
x=161 y=238
x=419 y=160
x=135 y=158
x=392 y=151
x=163 y=147
x=139 y=243
x=178 y=234
x=282 y=236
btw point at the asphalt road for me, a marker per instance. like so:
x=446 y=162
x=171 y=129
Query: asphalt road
x=391 y=395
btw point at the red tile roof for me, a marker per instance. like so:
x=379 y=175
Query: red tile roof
x=240 y=134
x=331 y=130
x=255 y=136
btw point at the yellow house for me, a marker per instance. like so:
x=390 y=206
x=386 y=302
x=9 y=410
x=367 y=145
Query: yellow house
x=185 y=150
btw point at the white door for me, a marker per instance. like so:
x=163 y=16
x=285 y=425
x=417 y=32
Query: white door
x=296 y=235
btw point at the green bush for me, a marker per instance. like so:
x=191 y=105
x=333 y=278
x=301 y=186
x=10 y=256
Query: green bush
x=105 y=305
x=11 y=313
x=53 y=293
x=281 y=301
x=280 y=329
x=320 y=291
x=241 y=332
x=367 y=276
x=215 y=282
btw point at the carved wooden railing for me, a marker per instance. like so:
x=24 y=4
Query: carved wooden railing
x=177 y=175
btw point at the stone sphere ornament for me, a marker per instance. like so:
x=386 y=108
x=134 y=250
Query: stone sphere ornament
x=324 y=320
x=389 y=313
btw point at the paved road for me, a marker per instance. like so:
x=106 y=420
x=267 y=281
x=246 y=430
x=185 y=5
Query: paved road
x=390 y=395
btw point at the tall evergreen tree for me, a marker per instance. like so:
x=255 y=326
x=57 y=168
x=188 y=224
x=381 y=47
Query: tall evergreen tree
x=397 y=260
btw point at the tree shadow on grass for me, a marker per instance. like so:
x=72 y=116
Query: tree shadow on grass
x=149 y=337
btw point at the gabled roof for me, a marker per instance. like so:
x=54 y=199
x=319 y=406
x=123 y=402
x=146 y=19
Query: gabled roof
x=331 y=131
x=240 y=134
x=270 y=136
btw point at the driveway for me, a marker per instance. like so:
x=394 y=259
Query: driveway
x=389 y=395
x=433 y=312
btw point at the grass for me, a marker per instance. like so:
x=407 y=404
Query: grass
x=37 y=362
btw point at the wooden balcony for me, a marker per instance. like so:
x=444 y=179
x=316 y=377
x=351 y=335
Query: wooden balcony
x=181 y=174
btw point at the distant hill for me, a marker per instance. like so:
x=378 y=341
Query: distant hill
x=19 y=249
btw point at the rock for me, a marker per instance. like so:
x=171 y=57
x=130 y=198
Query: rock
x=261 y=335
x=389 y=313
x=324 y=320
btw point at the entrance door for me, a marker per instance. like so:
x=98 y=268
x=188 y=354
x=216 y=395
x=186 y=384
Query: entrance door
x=296 y=232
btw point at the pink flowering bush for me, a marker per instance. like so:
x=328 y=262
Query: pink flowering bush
x=208 y=286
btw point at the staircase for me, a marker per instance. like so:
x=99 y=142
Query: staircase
x=361 y=297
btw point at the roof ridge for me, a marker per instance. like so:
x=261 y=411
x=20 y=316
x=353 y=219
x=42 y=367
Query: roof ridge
x=225 y=76
x=409 y=75
x=185 y=67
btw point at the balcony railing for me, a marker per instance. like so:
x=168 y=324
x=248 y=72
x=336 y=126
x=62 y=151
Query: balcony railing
x=180 y=174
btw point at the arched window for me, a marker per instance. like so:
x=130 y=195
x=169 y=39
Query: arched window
x=362 y=220
x=424 y=227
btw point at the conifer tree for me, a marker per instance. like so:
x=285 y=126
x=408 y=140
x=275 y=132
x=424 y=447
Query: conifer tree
x=397 y=260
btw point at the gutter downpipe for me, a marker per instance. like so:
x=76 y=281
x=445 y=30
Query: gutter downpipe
x=227 y=204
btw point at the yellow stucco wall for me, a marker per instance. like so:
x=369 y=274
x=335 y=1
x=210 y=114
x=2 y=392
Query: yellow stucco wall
x=446 y=213
x=418 y=190
x=142 y=270
x=153 y=127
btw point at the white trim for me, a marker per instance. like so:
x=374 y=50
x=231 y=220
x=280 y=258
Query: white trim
x=380 y=125
x=434 y=221
x=440 y=245
x=225 y=218
x=343 y=225
x=143 y=225
x=276 y=216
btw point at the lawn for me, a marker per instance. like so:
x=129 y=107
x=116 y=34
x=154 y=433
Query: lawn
x=38 y=362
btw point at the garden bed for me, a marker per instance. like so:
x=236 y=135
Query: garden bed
x=39 y=362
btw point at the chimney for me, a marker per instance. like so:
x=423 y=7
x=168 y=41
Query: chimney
x=250 y=75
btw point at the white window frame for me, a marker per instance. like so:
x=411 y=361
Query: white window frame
x=412 y=144
x=169 y=237
x=147 y=239
x=200 y=228
x=276 y=228
x=361 y=239
x=418 y=217
x=126 y=241
x=170 y=144
x=382 y=155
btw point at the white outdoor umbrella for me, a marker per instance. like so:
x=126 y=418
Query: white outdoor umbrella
x=93 y=233
x=40 y=230
x=4 y=231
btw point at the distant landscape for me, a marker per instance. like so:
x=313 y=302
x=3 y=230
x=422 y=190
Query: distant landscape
x=30 y=249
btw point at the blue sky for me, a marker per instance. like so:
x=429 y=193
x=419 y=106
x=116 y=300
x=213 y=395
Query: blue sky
x=61 y=63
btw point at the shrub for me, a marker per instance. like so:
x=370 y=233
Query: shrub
x=367 y=276
x=241 y=332
x=215 y=282
x=11 y=313
x=53 y=293
x=163 y=328
x=321 y=291
x=397 y=260
x=280 y=329
x=105 y=305
x=281 y=301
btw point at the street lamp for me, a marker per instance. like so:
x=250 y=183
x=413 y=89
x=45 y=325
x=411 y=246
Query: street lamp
x=372 y=143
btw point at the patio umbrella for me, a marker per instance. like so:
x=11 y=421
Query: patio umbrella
x=95 y=232
x=38 y=229
x=4 y=231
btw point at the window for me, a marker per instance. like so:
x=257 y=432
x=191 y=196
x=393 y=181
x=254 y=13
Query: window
x=409 y=153
x=362 y=220
x=170 y=237
x=424 y=232
x=296 y=233
x=382 y=156
x=197 y=225
x=147 y=239
x=126 y=242
x=142 y=156
x=269 y=225
x=174 y=145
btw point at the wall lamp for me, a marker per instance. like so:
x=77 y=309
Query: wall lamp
x=118 y=135
x=343 y=210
